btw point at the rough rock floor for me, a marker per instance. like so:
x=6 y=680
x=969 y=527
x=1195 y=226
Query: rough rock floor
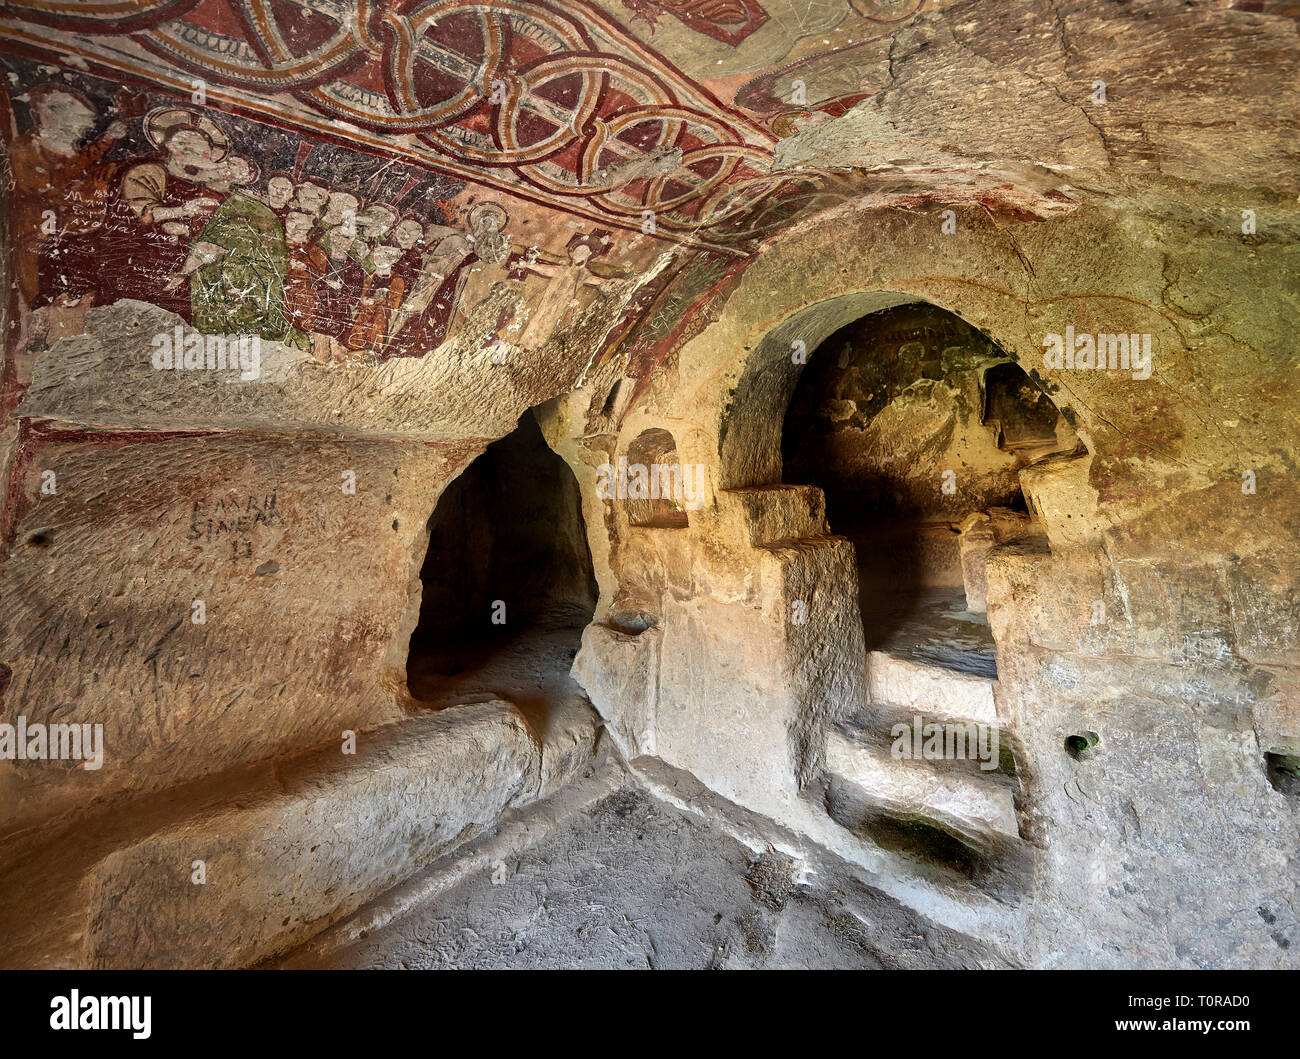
x=529 y=667
x=630 y=882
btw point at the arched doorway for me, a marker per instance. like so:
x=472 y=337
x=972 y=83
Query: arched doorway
x=915 y=426
x=508 y=584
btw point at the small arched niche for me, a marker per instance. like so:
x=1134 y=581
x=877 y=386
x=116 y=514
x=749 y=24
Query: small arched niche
x=657 y=492
x=1025 y=420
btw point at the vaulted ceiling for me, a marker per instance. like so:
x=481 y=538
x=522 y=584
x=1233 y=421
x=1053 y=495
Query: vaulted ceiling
x=703 y=125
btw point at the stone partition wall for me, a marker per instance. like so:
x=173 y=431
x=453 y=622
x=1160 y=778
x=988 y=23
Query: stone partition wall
x=1165 y=843
x=1186 y=666
x=289 y=512
x=212 y=599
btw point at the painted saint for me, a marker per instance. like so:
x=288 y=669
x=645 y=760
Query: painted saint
x=207 y=248
x=61 y=193
x=560 y=304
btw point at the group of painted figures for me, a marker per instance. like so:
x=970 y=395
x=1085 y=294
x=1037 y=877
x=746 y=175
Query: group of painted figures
x=194 y=230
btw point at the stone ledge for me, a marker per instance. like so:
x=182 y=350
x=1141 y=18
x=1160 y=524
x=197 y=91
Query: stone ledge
x=929 y=689
x=334 y=835
x=619 y=670
x=917 y=786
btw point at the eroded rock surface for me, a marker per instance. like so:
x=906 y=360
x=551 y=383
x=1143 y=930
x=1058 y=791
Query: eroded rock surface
x=769 y=379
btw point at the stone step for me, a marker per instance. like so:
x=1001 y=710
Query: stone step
x=765 y=514
x=948 y=693
x=879 y=725
x=971 y=804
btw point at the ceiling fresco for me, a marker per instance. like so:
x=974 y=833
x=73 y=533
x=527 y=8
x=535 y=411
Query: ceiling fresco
x=359 y=179
x=571 y=104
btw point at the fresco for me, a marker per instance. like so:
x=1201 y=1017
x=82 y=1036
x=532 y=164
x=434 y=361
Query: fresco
x=730 y=21
x=240 y=228
x=555 y=103
x=362 y=181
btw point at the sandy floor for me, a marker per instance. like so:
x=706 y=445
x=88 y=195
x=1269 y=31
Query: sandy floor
x=529 y=668
x=632 y=883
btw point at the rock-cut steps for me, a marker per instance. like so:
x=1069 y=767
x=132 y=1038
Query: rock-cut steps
x=926 y=771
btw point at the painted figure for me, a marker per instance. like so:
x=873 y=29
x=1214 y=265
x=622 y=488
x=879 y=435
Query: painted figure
x=236 y=265
x=559 y=304
x=169 y=202
x=380 y=297
x=492 y=248
x=61 y=191
x=310 y=198
x=279 y=193
x=445 y=283
x=304 y=280
x=342 y=288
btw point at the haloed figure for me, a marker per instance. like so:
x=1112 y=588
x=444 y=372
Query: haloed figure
x=234 y=259
x=559 y=304
x=61 y=189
